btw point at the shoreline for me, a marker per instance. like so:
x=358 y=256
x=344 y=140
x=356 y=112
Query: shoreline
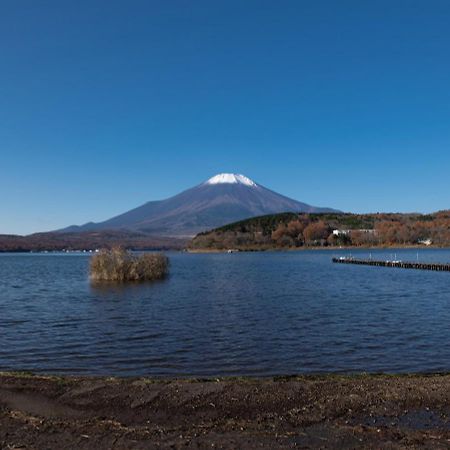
x=317 y=248
x=236 y=250
x=309 y=411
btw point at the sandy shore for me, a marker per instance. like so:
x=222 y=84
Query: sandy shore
x=38 y=412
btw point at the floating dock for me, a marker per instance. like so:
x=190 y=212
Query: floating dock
x=438 y=267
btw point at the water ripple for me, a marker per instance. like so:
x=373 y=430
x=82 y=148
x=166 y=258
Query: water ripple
x=253 y=314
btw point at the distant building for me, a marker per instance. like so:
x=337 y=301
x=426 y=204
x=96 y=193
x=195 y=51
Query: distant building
x=349 y=232
x=340 y=232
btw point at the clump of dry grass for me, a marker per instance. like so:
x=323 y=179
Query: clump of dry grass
x=119 y=265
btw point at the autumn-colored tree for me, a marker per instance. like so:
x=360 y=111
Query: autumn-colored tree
x=279 y=232
x=363 y=237
x=295 y=230
x=295 y=227
x=316 y=232
x=387 y=231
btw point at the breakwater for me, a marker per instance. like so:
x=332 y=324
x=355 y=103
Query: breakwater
x=439 y=267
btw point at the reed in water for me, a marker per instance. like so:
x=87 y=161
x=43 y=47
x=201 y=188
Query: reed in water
x=119 y=265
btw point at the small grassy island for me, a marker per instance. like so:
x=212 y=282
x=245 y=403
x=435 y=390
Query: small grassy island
x=291 y=230
x=119 y=265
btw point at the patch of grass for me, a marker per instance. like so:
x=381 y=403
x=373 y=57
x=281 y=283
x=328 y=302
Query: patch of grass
x=18 y=374
x=119 y=265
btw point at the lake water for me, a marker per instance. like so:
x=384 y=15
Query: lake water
x=226 y=314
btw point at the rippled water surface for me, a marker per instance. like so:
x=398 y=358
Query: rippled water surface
x=226 y=314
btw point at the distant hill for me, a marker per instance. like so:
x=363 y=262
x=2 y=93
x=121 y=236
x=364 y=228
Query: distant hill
x=222 y=199
x=89 y=240
x=290 y=230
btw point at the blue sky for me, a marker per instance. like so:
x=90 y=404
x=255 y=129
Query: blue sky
x=105 y=105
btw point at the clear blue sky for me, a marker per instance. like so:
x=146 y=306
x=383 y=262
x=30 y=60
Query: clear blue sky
x=105 y=105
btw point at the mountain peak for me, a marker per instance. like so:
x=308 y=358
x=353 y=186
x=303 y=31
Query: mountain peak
x=224 y=198
x=231 y=178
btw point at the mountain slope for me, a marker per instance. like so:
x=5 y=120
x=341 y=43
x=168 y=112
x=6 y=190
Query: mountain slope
x=222 y=199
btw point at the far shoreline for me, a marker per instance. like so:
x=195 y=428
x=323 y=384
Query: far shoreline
x=87 y=252
x=315 y=248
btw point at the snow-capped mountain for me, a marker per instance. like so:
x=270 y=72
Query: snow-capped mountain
x=231 y=178
x=224 y=198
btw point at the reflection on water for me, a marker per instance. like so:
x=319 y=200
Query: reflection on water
x=226 y=314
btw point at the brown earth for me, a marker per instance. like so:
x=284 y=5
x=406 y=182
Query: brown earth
x=366 y=411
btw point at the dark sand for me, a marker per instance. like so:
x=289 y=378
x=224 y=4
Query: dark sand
x=380 y=412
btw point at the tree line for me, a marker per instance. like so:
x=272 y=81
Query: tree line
x=316 y=230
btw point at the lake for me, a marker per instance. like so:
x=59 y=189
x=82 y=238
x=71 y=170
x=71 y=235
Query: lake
x=227 y=314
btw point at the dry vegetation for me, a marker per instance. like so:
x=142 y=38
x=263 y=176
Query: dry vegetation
x=119 y=265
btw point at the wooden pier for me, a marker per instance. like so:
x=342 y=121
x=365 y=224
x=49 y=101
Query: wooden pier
x=438 y=267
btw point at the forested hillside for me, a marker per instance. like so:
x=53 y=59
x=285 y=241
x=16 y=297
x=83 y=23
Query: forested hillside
x=291 y=230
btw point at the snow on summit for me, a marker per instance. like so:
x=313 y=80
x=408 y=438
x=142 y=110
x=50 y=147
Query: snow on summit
x=230 y=178
x=224 y=198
